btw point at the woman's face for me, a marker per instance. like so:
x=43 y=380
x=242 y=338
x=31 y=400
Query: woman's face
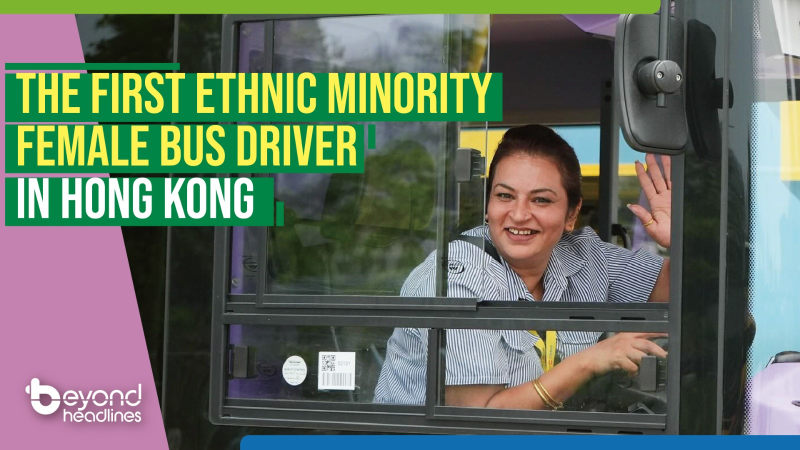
x=527 y=210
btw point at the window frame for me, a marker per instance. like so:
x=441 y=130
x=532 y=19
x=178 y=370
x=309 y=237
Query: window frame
x=372 y=311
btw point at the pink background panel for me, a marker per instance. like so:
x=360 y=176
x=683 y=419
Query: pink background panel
x=69 y=312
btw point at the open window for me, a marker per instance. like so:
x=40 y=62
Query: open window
x=302 y=313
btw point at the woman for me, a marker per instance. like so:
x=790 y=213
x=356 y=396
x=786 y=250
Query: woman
x=534 y=197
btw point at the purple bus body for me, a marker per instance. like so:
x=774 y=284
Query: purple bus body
x=775 y=400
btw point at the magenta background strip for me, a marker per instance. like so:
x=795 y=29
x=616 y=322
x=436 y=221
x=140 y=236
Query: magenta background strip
x=69 y=313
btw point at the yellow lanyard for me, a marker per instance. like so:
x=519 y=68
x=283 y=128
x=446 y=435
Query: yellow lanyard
x=547 y=348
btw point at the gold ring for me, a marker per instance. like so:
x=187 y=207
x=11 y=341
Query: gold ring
x=650 y=222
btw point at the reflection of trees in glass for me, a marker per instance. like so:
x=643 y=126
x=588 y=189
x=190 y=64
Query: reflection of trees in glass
x=199 y=42
x=385 y=43
x=136 y=38
x=407 y=44
x=701 y=275
x=390 y=222
x=701 y=285
x=300 y=46
x=149 y=38
x=375 y=228
x=398 y=191
x=418 y=47
x=474 y=43
x=381 y=44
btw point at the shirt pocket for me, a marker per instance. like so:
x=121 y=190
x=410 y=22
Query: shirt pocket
x=521 y=341
x=475 y=357
x=524 y=361
x=571 y=342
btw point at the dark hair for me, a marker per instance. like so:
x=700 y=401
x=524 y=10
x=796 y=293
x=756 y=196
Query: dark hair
x=541 y=141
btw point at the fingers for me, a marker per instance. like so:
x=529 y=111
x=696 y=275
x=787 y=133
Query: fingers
x=642 y=342
x=654 y=171
x=640 y=346
x=644 y=180
x=625 y=351
x=636 y=356
x=650 y=348
x=639 y=335
x=629 y=366
x=643 y=214
x=650 y=335
x=653 y=179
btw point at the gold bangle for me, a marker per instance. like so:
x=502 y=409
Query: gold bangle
x=545 y=396
x=541 y=396
x=537 y=387
x=556 y=404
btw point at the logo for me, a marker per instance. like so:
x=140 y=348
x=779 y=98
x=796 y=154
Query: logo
x=455 y=267
x=35 y=389
x=92 y=406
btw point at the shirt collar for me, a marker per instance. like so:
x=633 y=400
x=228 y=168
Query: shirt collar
x=564 y=262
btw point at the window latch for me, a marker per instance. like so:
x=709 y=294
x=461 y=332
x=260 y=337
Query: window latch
x=241 y=361
x=470 y=164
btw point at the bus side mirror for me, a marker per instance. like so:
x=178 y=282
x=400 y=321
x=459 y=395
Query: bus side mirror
x=650 y=90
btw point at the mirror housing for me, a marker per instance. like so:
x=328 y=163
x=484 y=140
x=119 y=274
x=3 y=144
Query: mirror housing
x=641 y=78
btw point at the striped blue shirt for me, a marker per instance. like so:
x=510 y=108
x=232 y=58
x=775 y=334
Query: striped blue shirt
x=582 y=268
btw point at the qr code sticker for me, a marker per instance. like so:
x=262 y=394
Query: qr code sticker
x=337 y=371
x=327 y=362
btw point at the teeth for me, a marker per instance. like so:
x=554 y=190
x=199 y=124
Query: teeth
x=520 y=232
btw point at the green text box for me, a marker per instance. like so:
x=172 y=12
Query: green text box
x=100 y=205
x=399 y=97
x=260 y=148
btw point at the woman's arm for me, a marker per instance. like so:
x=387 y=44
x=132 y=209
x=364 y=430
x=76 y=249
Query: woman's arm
x=622 y=351
x=657 y=187
x=660 y=291
x=561 y=382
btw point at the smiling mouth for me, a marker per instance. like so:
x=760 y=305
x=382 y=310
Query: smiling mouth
x=521 y=231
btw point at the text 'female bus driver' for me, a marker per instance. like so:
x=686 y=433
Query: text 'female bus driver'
x=534 y=196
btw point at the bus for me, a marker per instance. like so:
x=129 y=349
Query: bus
x=225 y=311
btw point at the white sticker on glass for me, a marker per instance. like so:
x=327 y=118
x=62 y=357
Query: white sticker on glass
x=294 y=370
x=337 y=371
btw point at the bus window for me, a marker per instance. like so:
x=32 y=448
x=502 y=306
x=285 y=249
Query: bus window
x=314 y=363
x=349 y=241
x=356 y=233
x=330 y=282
